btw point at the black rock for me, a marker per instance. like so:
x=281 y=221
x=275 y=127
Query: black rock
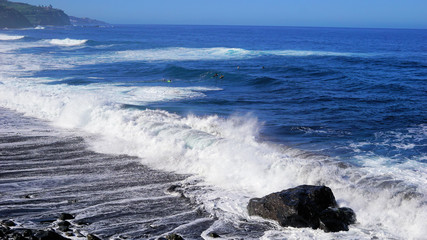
x=48 y=235
x=29 y=196
x=173 y=188
x=72 y=201
x=77 y=233
x=82 y=222
x=27 y=233
x=174 y=236
x=213 y=235
x=336 y=219
x=8 y=223
x=92 y=237
x=45 y=220
x=64 y=223
x=65 y=216
x=176 y=189
x=3 y=231
x=303 y=206
x=17 y=236
x=63 y=228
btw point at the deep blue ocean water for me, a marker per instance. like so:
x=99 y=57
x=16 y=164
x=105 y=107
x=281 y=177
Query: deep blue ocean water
x=236 y=94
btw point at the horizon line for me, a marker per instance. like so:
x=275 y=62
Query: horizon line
x=242 y=25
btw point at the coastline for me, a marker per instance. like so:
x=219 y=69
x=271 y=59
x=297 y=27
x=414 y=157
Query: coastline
x=45 y=172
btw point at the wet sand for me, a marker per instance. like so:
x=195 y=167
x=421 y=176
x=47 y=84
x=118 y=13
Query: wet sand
x=46 y=171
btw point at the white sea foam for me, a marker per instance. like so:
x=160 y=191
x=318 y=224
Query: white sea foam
x=218 y=53
x=12 y=64
x=303 y=53
x=144 y=95
x=182 y=54
x=9 y=46
x=67 y=42
x=224 y=152
x=166 y=54
x=5 y=37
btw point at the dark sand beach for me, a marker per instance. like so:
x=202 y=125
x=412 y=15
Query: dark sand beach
x=46 y=172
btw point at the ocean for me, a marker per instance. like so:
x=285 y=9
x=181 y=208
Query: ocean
x=144 y=130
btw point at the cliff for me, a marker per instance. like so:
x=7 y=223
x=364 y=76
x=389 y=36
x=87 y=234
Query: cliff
x=14 y=14
x=10 y=18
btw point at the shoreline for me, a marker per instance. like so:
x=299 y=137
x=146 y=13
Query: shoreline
x=45 y=172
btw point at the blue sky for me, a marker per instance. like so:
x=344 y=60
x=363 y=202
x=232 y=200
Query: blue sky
x=323 y=13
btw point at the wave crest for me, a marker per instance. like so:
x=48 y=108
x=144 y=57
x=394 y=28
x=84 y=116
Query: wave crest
x=216 y=53
x=224 y=152
x=5 y=37
x=304 y=53
x=67 y=42
x=182 y=54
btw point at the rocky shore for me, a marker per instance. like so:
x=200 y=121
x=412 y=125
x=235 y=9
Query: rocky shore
x=304 y=206
x=59 y=229
x=10 y=230
x=46 y=172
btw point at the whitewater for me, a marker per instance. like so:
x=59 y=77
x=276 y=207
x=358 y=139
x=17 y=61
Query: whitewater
x=234 y=139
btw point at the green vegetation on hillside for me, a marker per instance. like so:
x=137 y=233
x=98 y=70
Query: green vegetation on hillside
x=10 y=18
x=35 y=15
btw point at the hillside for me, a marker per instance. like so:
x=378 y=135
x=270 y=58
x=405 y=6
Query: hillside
x=17 y=15
x=86 y=22
x=10 y=18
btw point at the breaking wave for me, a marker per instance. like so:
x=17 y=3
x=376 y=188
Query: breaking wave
x=67 y=42
x=183 y=54
x=224 y=152
x=5 y=37
x=218 y=53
